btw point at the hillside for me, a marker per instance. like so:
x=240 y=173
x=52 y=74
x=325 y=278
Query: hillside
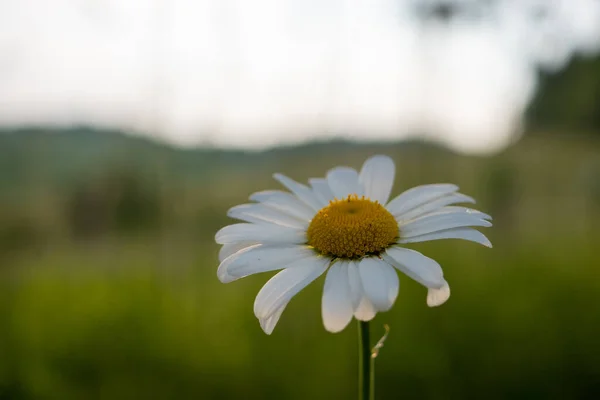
x=55 y=156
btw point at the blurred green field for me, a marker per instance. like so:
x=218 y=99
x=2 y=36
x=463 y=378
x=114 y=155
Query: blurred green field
x=108 y=283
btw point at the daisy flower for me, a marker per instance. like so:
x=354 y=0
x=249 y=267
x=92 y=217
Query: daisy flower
x=344 y=225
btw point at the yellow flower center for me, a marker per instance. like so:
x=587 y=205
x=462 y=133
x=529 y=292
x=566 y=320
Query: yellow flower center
x=352 y=228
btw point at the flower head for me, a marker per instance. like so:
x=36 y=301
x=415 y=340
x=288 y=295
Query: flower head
x=344 y=224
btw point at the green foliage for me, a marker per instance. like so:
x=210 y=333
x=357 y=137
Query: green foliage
x=569 y=99
x=118 y=201
x=18 y=233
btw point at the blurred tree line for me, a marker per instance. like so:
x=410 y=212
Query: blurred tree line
x=117 y=201
x=568 y=100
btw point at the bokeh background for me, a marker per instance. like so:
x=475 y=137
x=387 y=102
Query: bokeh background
x=129 y=128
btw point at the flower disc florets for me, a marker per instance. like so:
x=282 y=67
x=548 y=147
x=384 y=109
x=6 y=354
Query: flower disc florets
x=352 y=228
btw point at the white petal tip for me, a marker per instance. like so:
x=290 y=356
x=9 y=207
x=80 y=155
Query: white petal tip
x=337 y=323
x=221 y=235
x=335 y=328
x=437 y=297
x=223 y=275
x=484 y=241
x=266 y=327
x=365 y=311
x=380 y=158
x=264 y=313
x=268 y=324
x=226 y=278
x=364 y=317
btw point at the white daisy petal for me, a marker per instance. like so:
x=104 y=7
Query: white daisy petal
x=377 y=177
x=261 y=258
x=462 y=210
x=392 y=280
x=437 y=297
x=260 y=233
x=363 y=308
x=322 y=191
x=224 y=277
x=435 y=205
x=356 y=290
x=303 y=192
x=264 y=195
x=287 y=283
x=380 y=285
x=415 y=265
x=439 y=222
x=286 y=202
x=223 y=270
x=457 y=233
x=336 y=305
x=261 y=213
x=343 y=181
x=365 y=311
x=232 y=248
x=268 y=324
x=418 y=196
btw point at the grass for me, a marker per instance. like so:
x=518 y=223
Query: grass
x=521 y=322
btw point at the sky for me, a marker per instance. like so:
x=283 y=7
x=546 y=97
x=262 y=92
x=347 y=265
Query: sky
x=256 y=74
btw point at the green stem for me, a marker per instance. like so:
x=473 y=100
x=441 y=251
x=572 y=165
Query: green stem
x=366 y=372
